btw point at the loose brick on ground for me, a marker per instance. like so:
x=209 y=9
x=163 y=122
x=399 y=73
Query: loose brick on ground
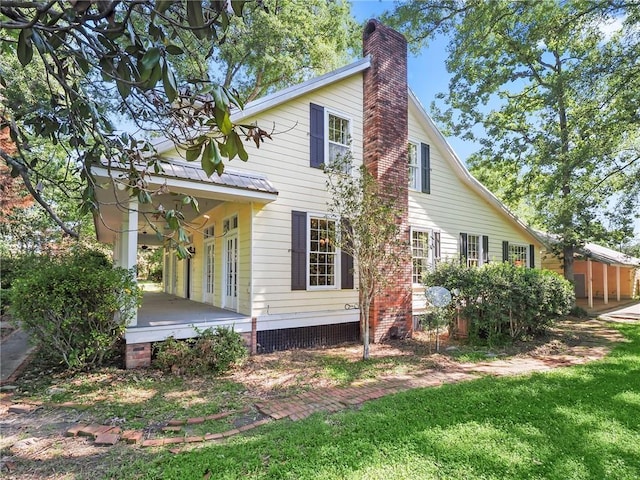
x=132 y=436
x=107 y=439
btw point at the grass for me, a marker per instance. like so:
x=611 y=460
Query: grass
x=575 y=423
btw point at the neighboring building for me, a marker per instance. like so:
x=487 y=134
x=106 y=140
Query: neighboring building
x=258 y=239
x=600 y=273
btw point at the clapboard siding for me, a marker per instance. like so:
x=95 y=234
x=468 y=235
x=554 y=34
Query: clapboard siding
x=265 y=230
x=453 y=206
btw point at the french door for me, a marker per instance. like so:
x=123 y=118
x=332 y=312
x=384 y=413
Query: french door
x=231 y=272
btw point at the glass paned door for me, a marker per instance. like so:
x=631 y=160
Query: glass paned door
x=209 y=271
x=231 y=272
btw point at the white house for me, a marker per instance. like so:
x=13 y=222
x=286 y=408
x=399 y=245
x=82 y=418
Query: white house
x=259 y=261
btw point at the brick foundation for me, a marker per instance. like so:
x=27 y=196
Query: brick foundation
x=138 y=355
x=386 y=136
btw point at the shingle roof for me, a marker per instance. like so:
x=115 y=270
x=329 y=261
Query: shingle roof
x=596 y=252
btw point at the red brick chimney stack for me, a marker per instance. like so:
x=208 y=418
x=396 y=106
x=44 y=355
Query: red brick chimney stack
x=386 y=136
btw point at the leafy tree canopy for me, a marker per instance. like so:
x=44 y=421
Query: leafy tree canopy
x=283 y=44
x=551 y=92
x=168 y=66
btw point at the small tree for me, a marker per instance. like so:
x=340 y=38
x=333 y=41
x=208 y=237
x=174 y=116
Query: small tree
x=370 y=232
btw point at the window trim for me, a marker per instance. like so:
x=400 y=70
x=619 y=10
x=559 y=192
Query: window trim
x=418 y=146
x=337 y=255
x=481 y=252
x=430 y=249
x=527 y=249
x=343 y=116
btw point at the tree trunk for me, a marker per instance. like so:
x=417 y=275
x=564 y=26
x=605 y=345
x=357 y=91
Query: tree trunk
x=364 y=313
x=567 y=253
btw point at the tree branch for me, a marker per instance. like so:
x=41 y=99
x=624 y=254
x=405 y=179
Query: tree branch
x=36 y=195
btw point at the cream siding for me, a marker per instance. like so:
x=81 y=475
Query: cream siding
x=264 y=287
x=265 y=277
x=453 y=206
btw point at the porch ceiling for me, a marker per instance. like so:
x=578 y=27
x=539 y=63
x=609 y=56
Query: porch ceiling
x=176 y=181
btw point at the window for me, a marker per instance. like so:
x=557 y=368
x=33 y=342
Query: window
x=474 y=249
x=338 y=137
x=414 y=166
x=419 y=161
x=315 y=262
x=420 y=254
x=322 y=256
x=518 y=255
x=230 y=224
x=329 y=135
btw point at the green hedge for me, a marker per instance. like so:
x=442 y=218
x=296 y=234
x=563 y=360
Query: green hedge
x=501 y=300
x=75 y=307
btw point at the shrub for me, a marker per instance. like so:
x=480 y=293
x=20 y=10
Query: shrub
x=502 y=301
x=9 y=268
x=75 y=307
x=215 y=350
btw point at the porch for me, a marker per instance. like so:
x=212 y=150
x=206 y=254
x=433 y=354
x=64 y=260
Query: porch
x=162 y=309
x=599 y=305
x=163 y=315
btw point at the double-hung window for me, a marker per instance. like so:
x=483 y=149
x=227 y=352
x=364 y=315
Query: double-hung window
x=519 y=254
x=338 y=137
x=419 y=163
x=474 y=249
x=329 y=135
x=316 y=262
x=322 y=253
x=420 y=254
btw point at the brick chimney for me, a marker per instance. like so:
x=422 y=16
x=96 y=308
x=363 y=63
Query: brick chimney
x=386 y=136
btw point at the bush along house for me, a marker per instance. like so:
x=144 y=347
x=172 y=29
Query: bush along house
x=259 y=263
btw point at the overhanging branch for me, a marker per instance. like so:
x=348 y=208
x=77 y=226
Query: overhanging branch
x=24 y=174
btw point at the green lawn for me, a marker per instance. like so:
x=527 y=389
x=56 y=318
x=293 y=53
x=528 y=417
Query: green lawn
x=576 y=423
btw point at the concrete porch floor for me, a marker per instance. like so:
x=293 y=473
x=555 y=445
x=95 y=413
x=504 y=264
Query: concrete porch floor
x=600 y=307
x=162 y=309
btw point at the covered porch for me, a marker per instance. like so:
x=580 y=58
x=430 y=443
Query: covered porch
x=598 y=305
x=162 y=309
x=163 y=315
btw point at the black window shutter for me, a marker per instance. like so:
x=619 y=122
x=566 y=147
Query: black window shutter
x=463 y=247
x=532 y=256
x=298 y=250
x=316 y=135
x=425 y=155
x=346 y=263
x=346 y=271
x=505 y=251
x=436 y=246
x=485 y=249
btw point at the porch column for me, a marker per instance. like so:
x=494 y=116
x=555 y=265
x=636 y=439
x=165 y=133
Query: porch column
x=129 y=242
x=590 y=282
x=605 y=282
x=117 y=250
x=618 y=283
